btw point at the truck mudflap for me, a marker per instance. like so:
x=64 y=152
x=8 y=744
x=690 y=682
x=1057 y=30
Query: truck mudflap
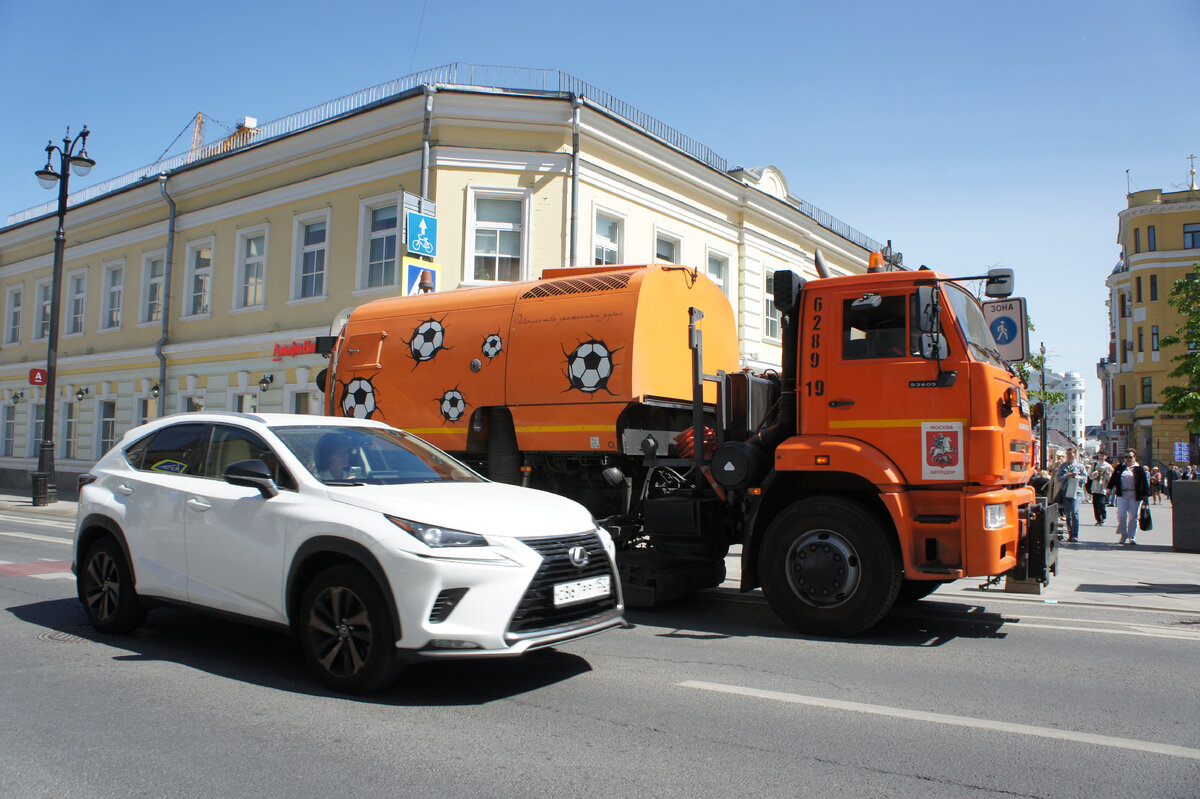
x=1037 y=551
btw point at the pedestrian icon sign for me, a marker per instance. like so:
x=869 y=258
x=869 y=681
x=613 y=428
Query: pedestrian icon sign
x=421 y=234
x=1006 y=322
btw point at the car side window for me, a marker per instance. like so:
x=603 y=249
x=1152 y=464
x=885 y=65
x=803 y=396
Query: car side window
x=136 y=451
x=874 y=330
x=231 y=444
x=178 y=449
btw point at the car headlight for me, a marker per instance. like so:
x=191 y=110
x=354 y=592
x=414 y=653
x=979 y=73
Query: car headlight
x=437 y=537
x=995 y=516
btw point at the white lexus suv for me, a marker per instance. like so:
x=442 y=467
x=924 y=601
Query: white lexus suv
x=367 y=544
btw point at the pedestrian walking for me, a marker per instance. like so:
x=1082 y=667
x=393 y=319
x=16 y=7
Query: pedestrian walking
x=1173 y=477
x=1132 y=487
x=1098 y=487
x=1068 y=478
x=1155 y=486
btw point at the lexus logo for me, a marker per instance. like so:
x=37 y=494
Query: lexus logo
x=578 y=556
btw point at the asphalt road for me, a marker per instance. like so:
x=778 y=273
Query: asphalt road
x=710 y=697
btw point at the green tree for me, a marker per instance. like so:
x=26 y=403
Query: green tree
x=1030 y=372
x=1183 y=397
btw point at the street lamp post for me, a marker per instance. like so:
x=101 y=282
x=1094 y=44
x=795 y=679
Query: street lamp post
x=45 y=489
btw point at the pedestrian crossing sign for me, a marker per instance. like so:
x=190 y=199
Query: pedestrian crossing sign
x=1006 y=321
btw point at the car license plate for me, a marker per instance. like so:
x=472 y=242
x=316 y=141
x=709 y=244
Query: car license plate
x=581 y=590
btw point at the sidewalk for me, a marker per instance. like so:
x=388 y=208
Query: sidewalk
x=1095 y=571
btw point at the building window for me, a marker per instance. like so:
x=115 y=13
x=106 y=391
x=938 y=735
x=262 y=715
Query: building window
x=1121 y=393
x=1153 y=288
x=770 y=312
x=245 y=403
x=301 y=403
x=106 y=418
x=199 y=279
x=153 y=270
x=1125 y=305
x=114 y=290
x=608 y=240
x=251 y=269
x=8 y=429
x=70 y=429
x=1137 y=240
x=12 y=316
x=498 y=237
x=77 y=302
x=1137 y=288
x=666 y=249
x=1140 y=339
x=38 y=427
x=193 y=404
x=718 y=269
x=1147 y=390
x=382 y=235
x=43 y=310
x=1154 y=338
x=1191 y=237
x=143 y=411
x=310 y=247
x=1151 y=239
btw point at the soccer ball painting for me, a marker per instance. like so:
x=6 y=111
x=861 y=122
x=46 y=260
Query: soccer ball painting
x=453 y=405
x=492 y=345
x=359 y=399
x=590 y=366
x=427 y=340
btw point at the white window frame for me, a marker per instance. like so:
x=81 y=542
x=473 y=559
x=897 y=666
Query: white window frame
x=14 y=305
x=300 y=221
x=70 y=430
x=241 y=261
x=771 y=315
x=618 y=248
x=144 y=315
x=711 y=253
x=41 y=322
x=190 y=274
x=108 y=291
x=101 y=422
x=36 y=430
x=8 y=430
x=255 y=401
x=366 y=208
x=475 y=193
x=676 y=241
x=71 y=300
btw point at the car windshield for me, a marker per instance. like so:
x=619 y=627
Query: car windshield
x=974 y=326
x=370 y=455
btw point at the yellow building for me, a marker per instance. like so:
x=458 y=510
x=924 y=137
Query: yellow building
x=1160 y=239
x=202 y=280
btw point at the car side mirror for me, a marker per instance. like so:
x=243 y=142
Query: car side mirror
x=999 y=283
x=252 y=474
x=933 y=347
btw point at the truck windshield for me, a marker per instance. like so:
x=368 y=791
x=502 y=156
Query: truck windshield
x=338 y=455
x=974 y=326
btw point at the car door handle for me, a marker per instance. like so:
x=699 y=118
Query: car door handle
x=196 y=504
x=840 y=403
x=125 y=489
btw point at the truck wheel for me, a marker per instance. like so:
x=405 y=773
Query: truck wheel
x=828 y=567
x=912 y=590
x=345 y=631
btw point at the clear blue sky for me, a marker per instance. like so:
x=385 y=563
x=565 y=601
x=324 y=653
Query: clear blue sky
x=971 y=134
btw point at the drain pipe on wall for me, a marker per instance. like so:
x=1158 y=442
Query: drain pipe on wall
x=429 y=92
x=166 y=300
x=576 y=104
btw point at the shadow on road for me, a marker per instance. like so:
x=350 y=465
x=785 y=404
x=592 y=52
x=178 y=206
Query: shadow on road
x=720 y=615
x=269 y=658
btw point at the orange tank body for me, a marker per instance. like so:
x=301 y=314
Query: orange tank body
x=566 y=354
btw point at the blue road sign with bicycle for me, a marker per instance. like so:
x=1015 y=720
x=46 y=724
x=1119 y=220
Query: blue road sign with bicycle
x=421 y=234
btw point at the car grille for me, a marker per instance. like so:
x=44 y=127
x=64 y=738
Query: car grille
x=536 y=610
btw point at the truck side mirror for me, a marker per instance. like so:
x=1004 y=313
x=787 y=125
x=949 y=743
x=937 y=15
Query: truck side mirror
x=787 y=290
x=933 y=347
x=927 y=309
x=999 y=283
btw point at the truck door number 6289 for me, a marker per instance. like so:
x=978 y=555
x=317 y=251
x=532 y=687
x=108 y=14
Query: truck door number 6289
x=815 y=387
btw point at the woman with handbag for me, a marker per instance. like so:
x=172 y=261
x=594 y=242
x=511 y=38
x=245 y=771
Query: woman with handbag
x=1132 y=487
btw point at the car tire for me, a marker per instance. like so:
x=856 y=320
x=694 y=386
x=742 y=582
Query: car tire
x=346 y=632
x=105 y=586
x=828 y=567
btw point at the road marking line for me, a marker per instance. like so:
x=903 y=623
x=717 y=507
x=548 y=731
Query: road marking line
x=1174 y=636
x=34 y=569
x=64 y=524
x=957 y=721
x=45 y=539
x=55 y=576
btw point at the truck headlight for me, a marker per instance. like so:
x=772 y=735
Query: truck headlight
x=435 y=537
x=995 y=516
